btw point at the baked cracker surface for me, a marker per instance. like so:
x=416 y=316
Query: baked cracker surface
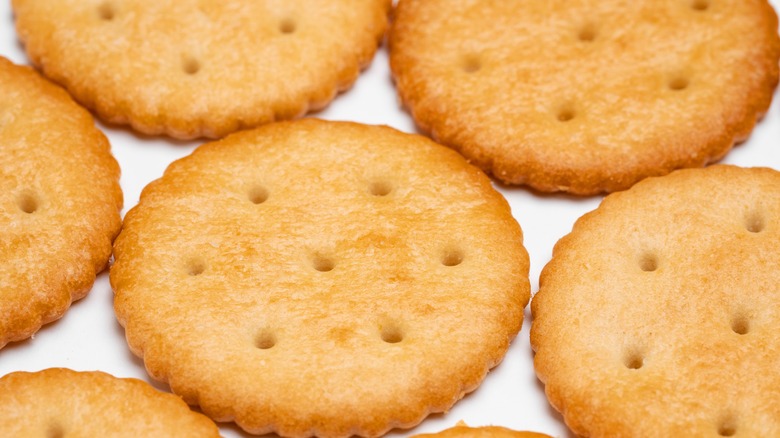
x=657 y=315
x=586 y=96
x=59 y=402
x=201 y=68
x=321 y=278
x=59 y=202
x=481 y=432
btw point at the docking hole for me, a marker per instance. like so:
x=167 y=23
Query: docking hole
x=392 y=334
x=258 y=194
x=287 y=26
x=634 y=360
x=754 y=223
x=322 y=263
x=265 y=339
x=27 y=202
x=106 y=11
x=648 y=262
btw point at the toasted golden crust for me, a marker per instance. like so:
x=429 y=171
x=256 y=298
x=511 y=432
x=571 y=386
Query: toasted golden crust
x=657 y=315
x=191 y=68
x=308 y=264
x=58 y=402
x=482 y=432
x=586 y=96
x=59 y=202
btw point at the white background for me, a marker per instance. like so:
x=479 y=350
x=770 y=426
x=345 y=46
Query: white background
x=89 y=338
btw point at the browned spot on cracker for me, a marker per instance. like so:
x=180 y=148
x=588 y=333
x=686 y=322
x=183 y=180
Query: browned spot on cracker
x=341 y=335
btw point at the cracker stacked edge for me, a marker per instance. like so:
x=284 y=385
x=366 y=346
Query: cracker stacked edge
x=321 y=278
x=59 y=203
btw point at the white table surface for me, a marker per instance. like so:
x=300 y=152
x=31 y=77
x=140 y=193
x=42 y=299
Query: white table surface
x=89 y=338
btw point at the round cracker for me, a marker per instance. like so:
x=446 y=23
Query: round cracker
x=586 y=96
x=191 y=68
x=58 y=402
x=482 y=432
x=59 y=202
x=657 y=315
x=321 y=278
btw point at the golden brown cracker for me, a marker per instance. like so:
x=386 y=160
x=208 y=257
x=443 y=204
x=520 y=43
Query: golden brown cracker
x=586 y=96
x=59 y=202
x=657 y=315
x=191 y=68
x=58 y=402
x=321 y=278
x=481 y=432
